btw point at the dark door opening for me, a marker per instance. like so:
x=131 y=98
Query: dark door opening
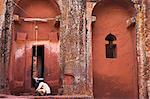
x=38 y=69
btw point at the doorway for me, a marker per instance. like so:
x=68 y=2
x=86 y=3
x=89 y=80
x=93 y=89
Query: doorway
x=23 y=44
x=38 y=53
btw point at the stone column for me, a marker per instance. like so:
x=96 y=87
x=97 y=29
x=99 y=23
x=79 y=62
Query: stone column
x=72 y=46
x=89 y=18
x=141 y=50
x=5 y=39
x=148 y=43
x=2 y=67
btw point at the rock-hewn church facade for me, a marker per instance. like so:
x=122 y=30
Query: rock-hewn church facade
x=88 y=48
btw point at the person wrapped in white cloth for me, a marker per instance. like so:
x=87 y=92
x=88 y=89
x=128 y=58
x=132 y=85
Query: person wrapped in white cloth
x=43 y=89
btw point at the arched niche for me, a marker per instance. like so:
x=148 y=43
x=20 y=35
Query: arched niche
x=110 y=46
x=113 y=74
x=35 y=33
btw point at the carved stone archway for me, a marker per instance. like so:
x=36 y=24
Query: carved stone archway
x=140 y=48
x=6 y=35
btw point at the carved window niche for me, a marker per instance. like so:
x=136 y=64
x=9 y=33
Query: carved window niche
x=111 y=48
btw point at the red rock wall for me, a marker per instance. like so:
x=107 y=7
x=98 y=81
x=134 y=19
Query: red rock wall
x=24 y=38
x=74 y=42
x=114 y=77
x=1 y=6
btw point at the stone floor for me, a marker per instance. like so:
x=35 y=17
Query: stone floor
x=46 y=97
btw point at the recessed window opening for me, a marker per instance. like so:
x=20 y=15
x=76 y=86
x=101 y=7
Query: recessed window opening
x=37 y=70
x=57 y=24
x=110 y=46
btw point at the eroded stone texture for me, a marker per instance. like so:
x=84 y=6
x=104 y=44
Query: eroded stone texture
x=72 y=38
x=141 y=55
x=2 y=67
x=148 y=44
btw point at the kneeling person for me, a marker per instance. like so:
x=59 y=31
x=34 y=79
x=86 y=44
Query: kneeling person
x=43 y=89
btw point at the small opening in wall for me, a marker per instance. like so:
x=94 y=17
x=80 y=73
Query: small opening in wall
x=111 y=49
x=57 y=24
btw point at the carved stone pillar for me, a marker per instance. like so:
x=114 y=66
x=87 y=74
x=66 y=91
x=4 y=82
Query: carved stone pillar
x=89 y=8
x=5 y=40
x=72 y=46
x=148 y=42
x=141 y=50
x=1 y=65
